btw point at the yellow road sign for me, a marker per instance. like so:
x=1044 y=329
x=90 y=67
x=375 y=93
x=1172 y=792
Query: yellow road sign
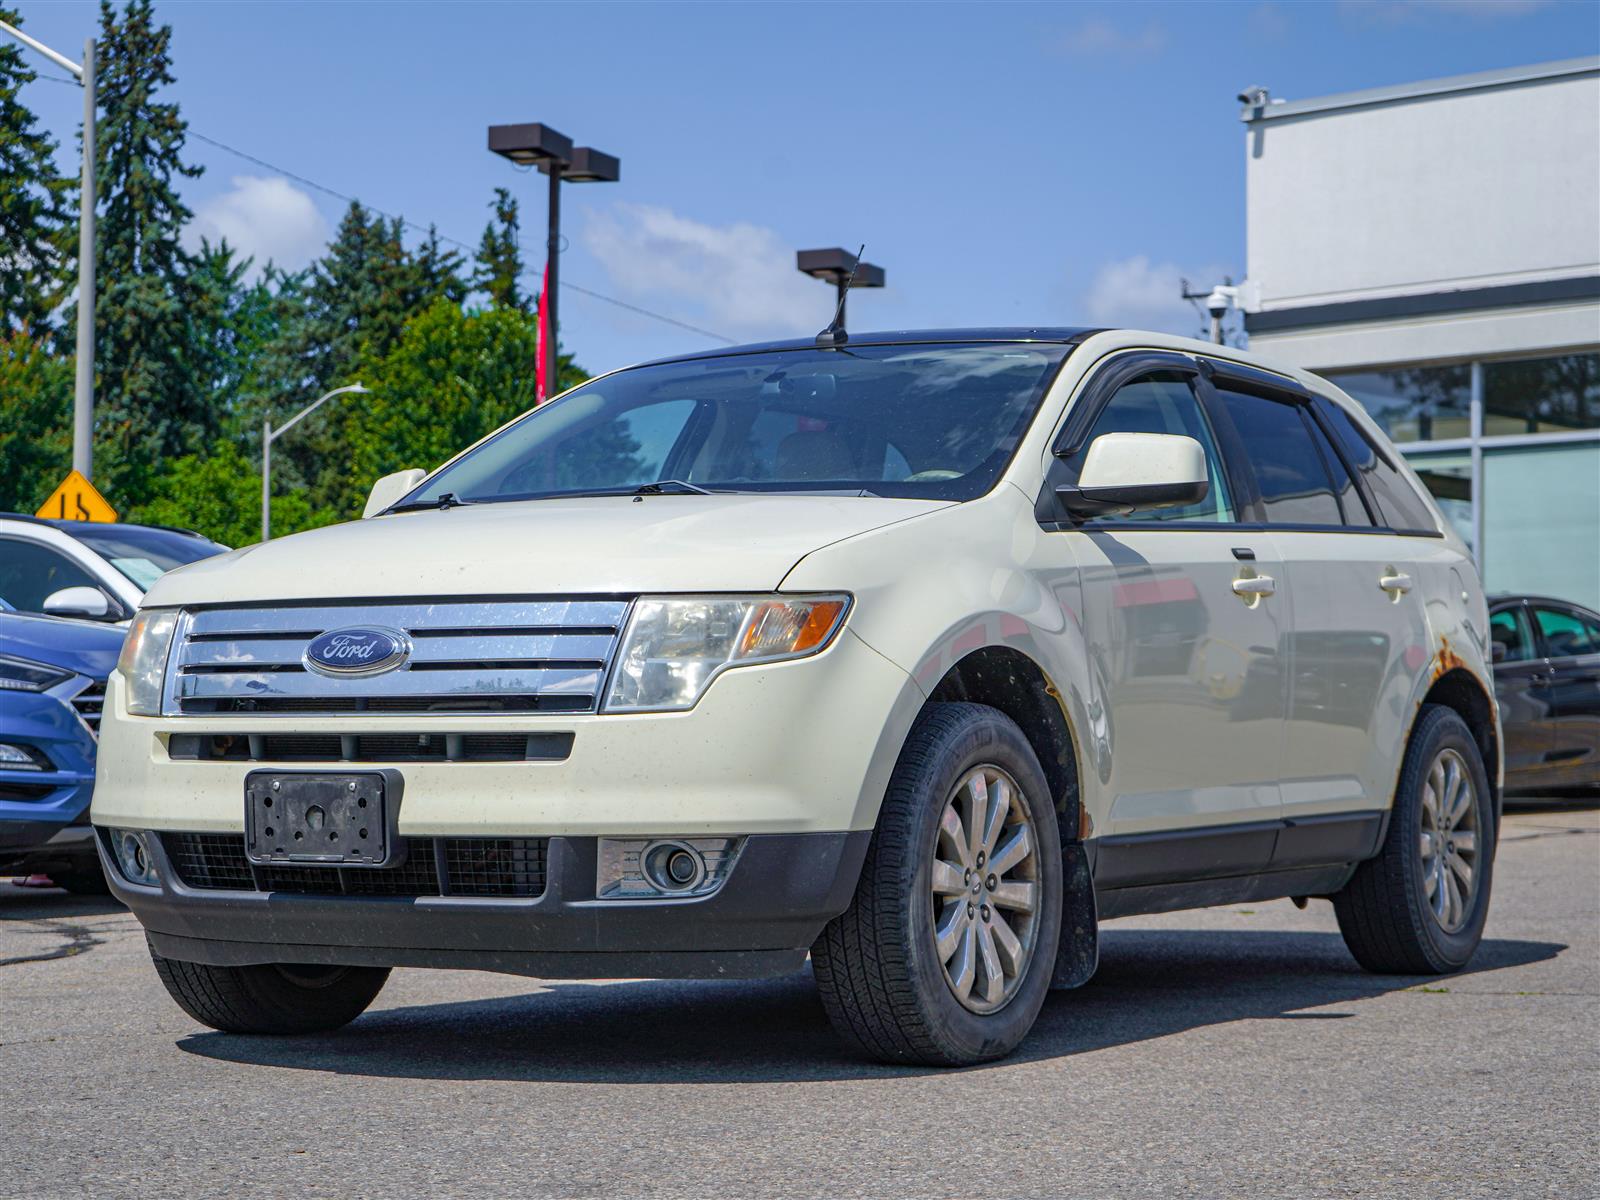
x=76 y=500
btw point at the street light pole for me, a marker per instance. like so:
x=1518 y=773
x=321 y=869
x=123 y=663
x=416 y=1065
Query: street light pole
x=270 y=435
x=83 y=389
x=840 y=268
x=552 y=287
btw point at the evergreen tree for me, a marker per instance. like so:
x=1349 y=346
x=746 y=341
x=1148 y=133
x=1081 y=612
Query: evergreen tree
x=35 y=421
x=151 y=402
x=499 y=257
x=439 y=272
x=34 y=203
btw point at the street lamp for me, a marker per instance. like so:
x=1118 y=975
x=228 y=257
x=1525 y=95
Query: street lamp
x=83 y=385
x=270 y=435
x=554 y=154
x=834 y=266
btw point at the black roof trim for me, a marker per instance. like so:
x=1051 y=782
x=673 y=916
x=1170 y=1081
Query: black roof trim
x=1067 y=335
x=69 y=526
x=1507 y=295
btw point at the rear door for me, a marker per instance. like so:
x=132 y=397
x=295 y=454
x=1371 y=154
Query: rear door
x=1357 y=632
x=1522 y=690
x=1571 y=640
x=1187 y=671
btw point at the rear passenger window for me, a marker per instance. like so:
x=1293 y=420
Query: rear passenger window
x=1566 y=635
x=1399 y=506
x=1513 y=640
x=1291 y=472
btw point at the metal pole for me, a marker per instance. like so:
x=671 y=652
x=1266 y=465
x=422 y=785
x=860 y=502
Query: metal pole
x=1216 y=328
x=552 y=290
x=266 y=479
x=83 y=389
x=843 y=286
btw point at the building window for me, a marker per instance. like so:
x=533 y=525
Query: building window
x=1541 y=395
x=1415 y=404
x=1449 y=478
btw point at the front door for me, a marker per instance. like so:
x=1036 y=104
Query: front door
x=1185 y=633
x=1571 y=640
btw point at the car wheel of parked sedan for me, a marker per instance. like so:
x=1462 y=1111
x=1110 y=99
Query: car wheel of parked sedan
x=945 y=954
x=1419 y=907
x=270 y=997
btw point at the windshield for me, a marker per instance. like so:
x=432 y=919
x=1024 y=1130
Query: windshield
x=936 y=422
x=144 y=553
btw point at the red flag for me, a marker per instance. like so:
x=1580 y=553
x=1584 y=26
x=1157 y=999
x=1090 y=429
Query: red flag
x=541 y=385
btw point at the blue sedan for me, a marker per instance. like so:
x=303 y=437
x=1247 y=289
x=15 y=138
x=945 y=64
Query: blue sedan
x=52 y=681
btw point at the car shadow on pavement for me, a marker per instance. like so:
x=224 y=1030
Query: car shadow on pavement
x=1151 y=983
x=48 y=904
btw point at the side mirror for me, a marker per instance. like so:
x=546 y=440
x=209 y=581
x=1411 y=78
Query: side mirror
x=1128 y=472
x=87 y=602
x=390 y=488
x=1497 y=652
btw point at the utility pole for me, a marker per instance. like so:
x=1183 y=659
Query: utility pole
x=83 y=388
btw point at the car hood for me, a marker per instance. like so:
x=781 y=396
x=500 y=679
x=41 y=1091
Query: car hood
x=579 y=545
x=83 y=647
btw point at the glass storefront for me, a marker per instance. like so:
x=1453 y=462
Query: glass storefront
x=1524 y=492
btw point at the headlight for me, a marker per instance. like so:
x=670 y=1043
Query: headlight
x=143 y=662
x=676 y=645
x=25 y=675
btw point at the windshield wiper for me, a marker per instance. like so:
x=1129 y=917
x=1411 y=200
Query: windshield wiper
x=448 y=500
x=674 y=487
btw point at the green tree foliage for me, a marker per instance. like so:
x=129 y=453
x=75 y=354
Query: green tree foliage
x=499 y=257
x=151 y=400
x=219 y=495
x=34 y=203
x=35 y=421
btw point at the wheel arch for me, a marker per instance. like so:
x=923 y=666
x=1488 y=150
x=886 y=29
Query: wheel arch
x=1459 y=690
x=1006 y=679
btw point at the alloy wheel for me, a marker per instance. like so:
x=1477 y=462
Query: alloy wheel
x=985 y=889
x=1449 y=840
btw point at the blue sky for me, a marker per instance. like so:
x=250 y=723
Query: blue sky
x=1007 y=163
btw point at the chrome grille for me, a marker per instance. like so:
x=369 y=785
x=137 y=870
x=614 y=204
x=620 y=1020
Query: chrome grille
x=467 y=657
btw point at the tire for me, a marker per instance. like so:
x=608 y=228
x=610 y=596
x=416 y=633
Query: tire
x=1386 y=912
x=270 y=998
x=878 y=966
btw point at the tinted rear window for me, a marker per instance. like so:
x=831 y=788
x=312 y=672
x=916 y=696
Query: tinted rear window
x=1399 y=506
x=1291 y=472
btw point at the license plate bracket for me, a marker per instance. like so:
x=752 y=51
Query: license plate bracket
x=323 y=818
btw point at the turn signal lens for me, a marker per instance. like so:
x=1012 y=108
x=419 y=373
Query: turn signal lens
x=676 y=645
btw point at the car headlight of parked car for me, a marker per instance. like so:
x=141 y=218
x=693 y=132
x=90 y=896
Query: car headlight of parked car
x=675 y=646
x=25 y=675
x=143 y=663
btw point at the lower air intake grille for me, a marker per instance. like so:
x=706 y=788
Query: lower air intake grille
x=473 y=867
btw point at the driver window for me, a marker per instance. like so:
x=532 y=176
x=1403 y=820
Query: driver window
x=1512 y=638
x=30 y=572
x=1164 y=402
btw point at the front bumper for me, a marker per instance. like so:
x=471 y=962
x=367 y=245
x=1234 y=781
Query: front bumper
x=780 y=893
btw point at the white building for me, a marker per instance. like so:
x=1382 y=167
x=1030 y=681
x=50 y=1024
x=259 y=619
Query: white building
x=1434 y=248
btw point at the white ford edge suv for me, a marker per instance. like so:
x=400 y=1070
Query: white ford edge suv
x=921 y=654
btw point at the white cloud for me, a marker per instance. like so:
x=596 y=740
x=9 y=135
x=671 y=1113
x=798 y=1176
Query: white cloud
x=1393 y=12
x=1098 y=36
x=1137 y=293
x=265 y=218
x=739 y=279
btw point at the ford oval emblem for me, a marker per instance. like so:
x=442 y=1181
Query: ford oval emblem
x=358 y=650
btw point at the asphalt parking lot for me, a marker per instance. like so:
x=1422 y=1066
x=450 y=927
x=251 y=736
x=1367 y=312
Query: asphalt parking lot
x=1230 y=1052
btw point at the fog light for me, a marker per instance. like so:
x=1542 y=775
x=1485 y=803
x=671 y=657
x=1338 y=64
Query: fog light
x=15 y=757
x=641 y=868
x=133 y=856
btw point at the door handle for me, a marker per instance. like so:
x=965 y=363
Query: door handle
x=1255 y=586
x=1395 y=583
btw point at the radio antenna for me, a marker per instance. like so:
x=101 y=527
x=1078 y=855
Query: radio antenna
x=834 y=334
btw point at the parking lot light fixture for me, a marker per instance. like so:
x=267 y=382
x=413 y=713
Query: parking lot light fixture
x=270 y=435
x=537 y=145
x=834 y=266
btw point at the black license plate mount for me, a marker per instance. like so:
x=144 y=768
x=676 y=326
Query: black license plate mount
x=322 y=818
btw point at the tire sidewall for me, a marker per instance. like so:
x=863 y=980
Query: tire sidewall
x=1442 y=729
x=983 y=737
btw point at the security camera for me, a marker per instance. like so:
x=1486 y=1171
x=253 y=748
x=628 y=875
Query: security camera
x=1220 y=301
x=1254 y=97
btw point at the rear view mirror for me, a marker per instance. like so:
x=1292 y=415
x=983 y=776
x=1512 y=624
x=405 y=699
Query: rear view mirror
x=86 y=602
x=390 y=489
x=1129 y=472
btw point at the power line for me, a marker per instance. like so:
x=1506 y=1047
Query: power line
x=431 y=231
